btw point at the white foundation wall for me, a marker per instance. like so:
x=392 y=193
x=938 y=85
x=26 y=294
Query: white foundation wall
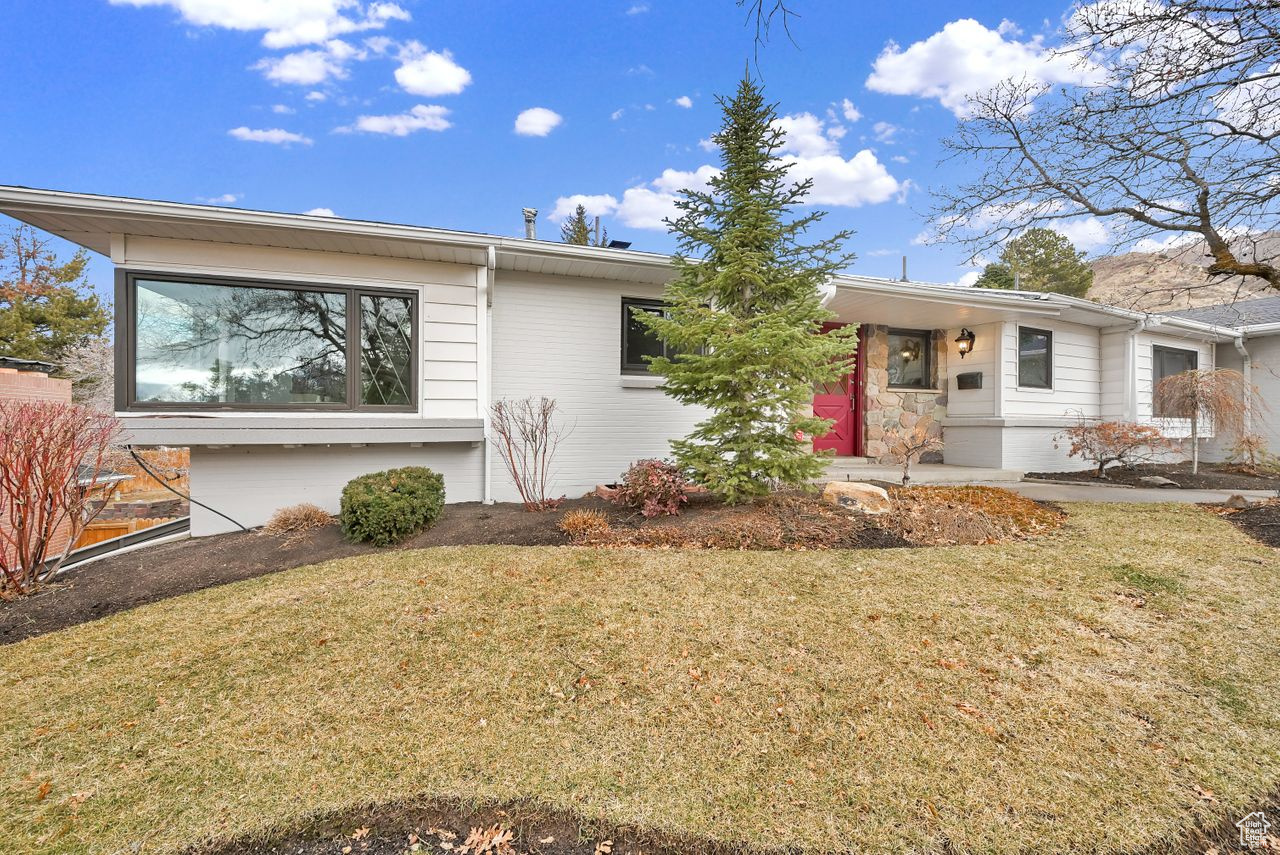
x=249 y=483
x=1024 y=448
x=562 y=338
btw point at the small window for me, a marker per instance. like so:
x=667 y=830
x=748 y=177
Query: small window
x=1166 y=362
x=911 y=359
x=1035 y=358
x=639 y=343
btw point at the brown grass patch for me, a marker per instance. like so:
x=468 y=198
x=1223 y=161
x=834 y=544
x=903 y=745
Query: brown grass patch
x=994 y=699
x=949 y=516
x=295 y=521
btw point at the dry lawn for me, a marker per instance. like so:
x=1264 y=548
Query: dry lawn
x=1099 y=688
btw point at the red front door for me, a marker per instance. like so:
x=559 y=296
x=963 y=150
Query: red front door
x=841 y=402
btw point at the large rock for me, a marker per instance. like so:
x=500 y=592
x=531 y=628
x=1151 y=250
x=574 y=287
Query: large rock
x=1157 y=481
x=867 y=498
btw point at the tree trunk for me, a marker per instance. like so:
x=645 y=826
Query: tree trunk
x=1195 y=443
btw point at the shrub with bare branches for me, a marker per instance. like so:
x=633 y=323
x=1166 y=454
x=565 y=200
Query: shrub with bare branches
x=1250 y=453
x=1107 y=443
x=1218 y=396
x=909 y=447
x=52 y=458
x=527 y=435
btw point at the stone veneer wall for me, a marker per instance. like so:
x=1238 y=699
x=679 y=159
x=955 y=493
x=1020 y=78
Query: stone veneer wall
x=890 y=411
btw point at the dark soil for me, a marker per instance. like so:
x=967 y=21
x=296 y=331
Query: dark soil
x=1212 y=476
x=392 y=830
x=155 y=573
x=1261 y=522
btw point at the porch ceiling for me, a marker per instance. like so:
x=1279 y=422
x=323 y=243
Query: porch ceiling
x=926 y=308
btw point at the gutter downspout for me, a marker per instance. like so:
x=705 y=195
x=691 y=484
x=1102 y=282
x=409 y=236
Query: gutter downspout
x=1246 y=368
x=1131 y=370
x=491 y=267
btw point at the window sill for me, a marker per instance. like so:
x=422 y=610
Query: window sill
x=640 y=381
x=915 y=389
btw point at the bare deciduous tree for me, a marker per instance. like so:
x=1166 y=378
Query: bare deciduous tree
x=909 y=447
x=526 y=434
x=1219 y=396
x=1173 y=129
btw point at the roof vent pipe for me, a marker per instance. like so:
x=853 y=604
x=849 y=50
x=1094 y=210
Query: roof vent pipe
x=530 y=223
x=904 y=269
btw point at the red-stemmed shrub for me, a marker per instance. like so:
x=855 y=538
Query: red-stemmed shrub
x=52 y=456
x=1105 y=443
x=653 y=487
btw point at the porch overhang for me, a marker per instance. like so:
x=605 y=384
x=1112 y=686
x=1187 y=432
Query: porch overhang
x=906 y=304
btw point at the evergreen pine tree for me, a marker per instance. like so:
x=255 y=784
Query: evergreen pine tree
x=578 y=230
x=1039 y=259
x=744 y=313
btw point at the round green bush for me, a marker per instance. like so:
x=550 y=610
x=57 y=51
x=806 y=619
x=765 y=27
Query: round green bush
x=385 y=508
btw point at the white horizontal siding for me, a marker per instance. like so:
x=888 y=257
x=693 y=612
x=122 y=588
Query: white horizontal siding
x=983 y=358
x=1113 y=365
x=1076 y=374
x=561 y=338
x=248 y=484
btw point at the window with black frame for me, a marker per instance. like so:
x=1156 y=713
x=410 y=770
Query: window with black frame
x=910 y=359
x=639 y=343
x=213 y=344
x=1167 y=362
x=1035 y=358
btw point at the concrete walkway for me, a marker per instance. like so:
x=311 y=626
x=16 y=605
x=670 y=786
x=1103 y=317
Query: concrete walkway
x=858 y=469
x=1136 y=495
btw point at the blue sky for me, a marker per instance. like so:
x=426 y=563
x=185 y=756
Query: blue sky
x=411 y=111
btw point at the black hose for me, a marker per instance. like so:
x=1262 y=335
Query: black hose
x=145 y=468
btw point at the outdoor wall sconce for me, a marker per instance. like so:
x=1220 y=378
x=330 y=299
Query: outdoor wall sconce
x=964 y=341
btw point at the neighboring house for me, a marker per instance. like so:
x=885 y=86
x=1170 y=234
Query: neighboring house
x=1255 y=353
x=293 y=352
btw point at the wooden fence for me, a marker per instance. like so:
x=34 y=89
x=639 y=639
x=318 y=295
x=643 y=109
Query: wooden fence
x=101 y=530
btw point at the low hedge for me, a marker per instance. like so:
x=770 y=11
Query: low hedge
x=385 y=508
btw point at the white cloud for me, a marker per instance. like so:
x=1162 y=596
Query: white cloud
x=601 y=205
x=640 y=69
x=1087 y=233
x=1174 y=240
x=320 y=212
x=275 y=136
x=684 y=101
x=967 y=280
x=287 y=23
x=897 y=158
x=430 y=73
x=422 y=117
x=616 y=114
x=850 y=112
x=638 y=9
x=707 y=144
x=880 y=253
x=304 y=67
x=224 y=199
x=537 y=122
x=317 y=96
x=807 y=135
x=966 y=58
x=885 y=132
x=860 y=180
x=282 y=109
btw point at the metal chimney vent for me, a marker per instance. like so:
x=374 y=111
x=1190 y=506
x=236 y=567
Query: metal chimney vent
x=530 y=223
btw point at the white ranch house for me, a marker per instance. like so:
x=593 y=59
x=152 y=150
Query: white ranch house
x=294 y=352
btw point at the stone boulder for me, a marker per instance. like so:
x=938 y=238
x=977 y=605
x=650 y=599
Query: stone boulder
x=867 y=498
x=1238 y=502
x=1157 y=481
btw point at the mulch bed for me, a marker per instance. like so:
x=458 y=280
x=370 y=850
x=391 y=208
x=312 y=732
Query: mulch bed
x=921 y=516
x=1212 y=476
x=395 y=829
x=1261 y=522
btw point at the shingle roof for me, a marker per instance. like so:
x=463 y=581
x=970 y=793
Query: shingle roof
x=1265 y=310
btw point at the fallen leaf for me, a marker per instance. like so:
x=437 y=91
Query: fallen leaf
x=548 y=839
x=1205 y=795
x=360 y=833
x=43 y=790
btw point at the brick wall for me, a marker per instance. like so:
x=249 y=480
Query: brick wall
x=18 y=385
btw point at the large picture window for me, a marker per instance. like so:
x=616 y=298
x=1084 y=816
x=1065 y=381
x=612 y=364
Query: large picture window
x=205 y=344
x=1166 y=362
x=911 y=359
x=638 y=341
x=1035 y=358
